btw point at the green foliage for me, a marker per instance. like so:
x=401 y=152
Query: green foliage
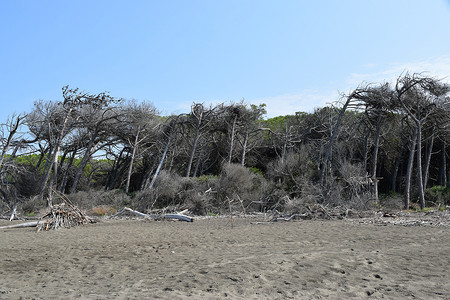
x=206 y=178
x=256 y=170
x=438 y=195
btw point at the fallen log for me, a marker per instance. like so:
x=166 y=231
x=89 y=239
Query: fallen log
x=131 y=211
x=179 y=216
x=28 y=224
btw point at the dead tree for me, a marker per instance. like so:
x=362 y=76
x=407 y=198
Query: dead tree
x=198 y=119
x=417 y=96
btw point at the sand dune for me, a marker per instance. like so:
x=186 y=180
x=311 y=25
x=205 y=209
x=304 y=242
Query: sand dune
x=214 y=259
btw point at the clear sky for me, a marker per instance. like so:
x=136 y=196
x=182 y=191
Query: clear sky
x=291 y=55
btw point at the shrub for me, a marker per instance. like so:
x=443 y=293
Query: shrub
x=391 y=201
x=240 y=186
x=165 y=192
x=102 y=211
x=116 y=199
x=33 y=205
x=437 y=196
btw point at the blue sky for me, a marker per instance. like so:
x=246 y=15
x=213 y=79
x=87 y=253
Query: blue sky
x=291 y=55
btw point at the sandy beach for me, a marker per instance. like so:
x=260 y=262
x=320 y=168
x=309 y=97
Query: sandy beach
x=217 y=258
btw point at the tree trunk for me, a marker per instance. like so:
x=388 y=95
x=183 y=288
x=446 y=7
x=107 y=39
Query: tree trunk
x=133 y=155
x=87 y=155
x=54 y=177
x=194 y=146
x=230 y=152
x=395 y=172
x=426 y=170
x=244 y=148
x=54 y=156
x=419 y=166
x=197 y=163
x=373 y=168
x=285 y=142
x=41 y=158
x=66 y=173
x=111 y=180
x=409 y=168
x=332 y=138
x=11 y=134
x=443 y=168
x=365 y=149
x=161 y=162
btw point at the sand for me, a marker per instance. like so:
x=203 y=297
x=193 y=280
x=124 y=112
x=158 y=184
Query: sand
x=211 y=259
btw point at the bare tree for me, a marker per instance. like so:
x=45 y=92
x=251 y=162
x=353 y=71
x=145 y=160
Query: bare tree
x=199 y=118
x=418 y=96
x=377 y=102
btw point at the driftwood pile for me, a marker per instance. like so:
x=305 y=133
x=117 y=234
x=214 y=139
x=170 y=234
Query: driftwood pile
x=63 y=215
x=315 y=212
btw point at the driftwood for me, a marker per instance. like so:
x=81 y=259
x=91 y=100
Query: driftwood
x=23 y=225
x=179 y=216
x=13 y=214
x=131 y=211
x=63 y=215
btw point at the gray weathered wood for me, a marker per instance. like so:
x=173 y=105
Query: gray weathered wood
x=28 y=224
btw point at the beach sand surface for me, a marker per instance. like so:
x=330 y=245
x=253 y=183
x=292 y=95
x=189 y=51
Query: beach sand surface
x=217 y=258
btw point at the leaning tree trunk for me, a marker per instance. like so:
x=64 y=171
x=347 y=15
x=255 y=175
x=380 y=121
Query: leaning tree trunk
x=161 y=162
x=67 y=171
x=194 y=147
x=365 y=149
x=54 y=157
x=112 y=176
x=332 y=138
x=133 y=155
x=409 y=169
x=83 y=163
x=197 y=163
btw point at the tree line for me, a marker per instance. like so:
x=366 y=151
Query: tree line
x=380 y=138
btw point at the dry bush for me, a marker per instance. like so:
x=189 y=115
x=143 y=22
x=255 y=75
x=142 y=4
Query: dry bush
x=294 y=170
x=199 y=203
x=174 y=192
x=102 y=211
x=297 y=205
x=391 y=201
x=357 y=186
x=32 y=205
x=94 y=198
x=239 y=186
x=165 y=192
